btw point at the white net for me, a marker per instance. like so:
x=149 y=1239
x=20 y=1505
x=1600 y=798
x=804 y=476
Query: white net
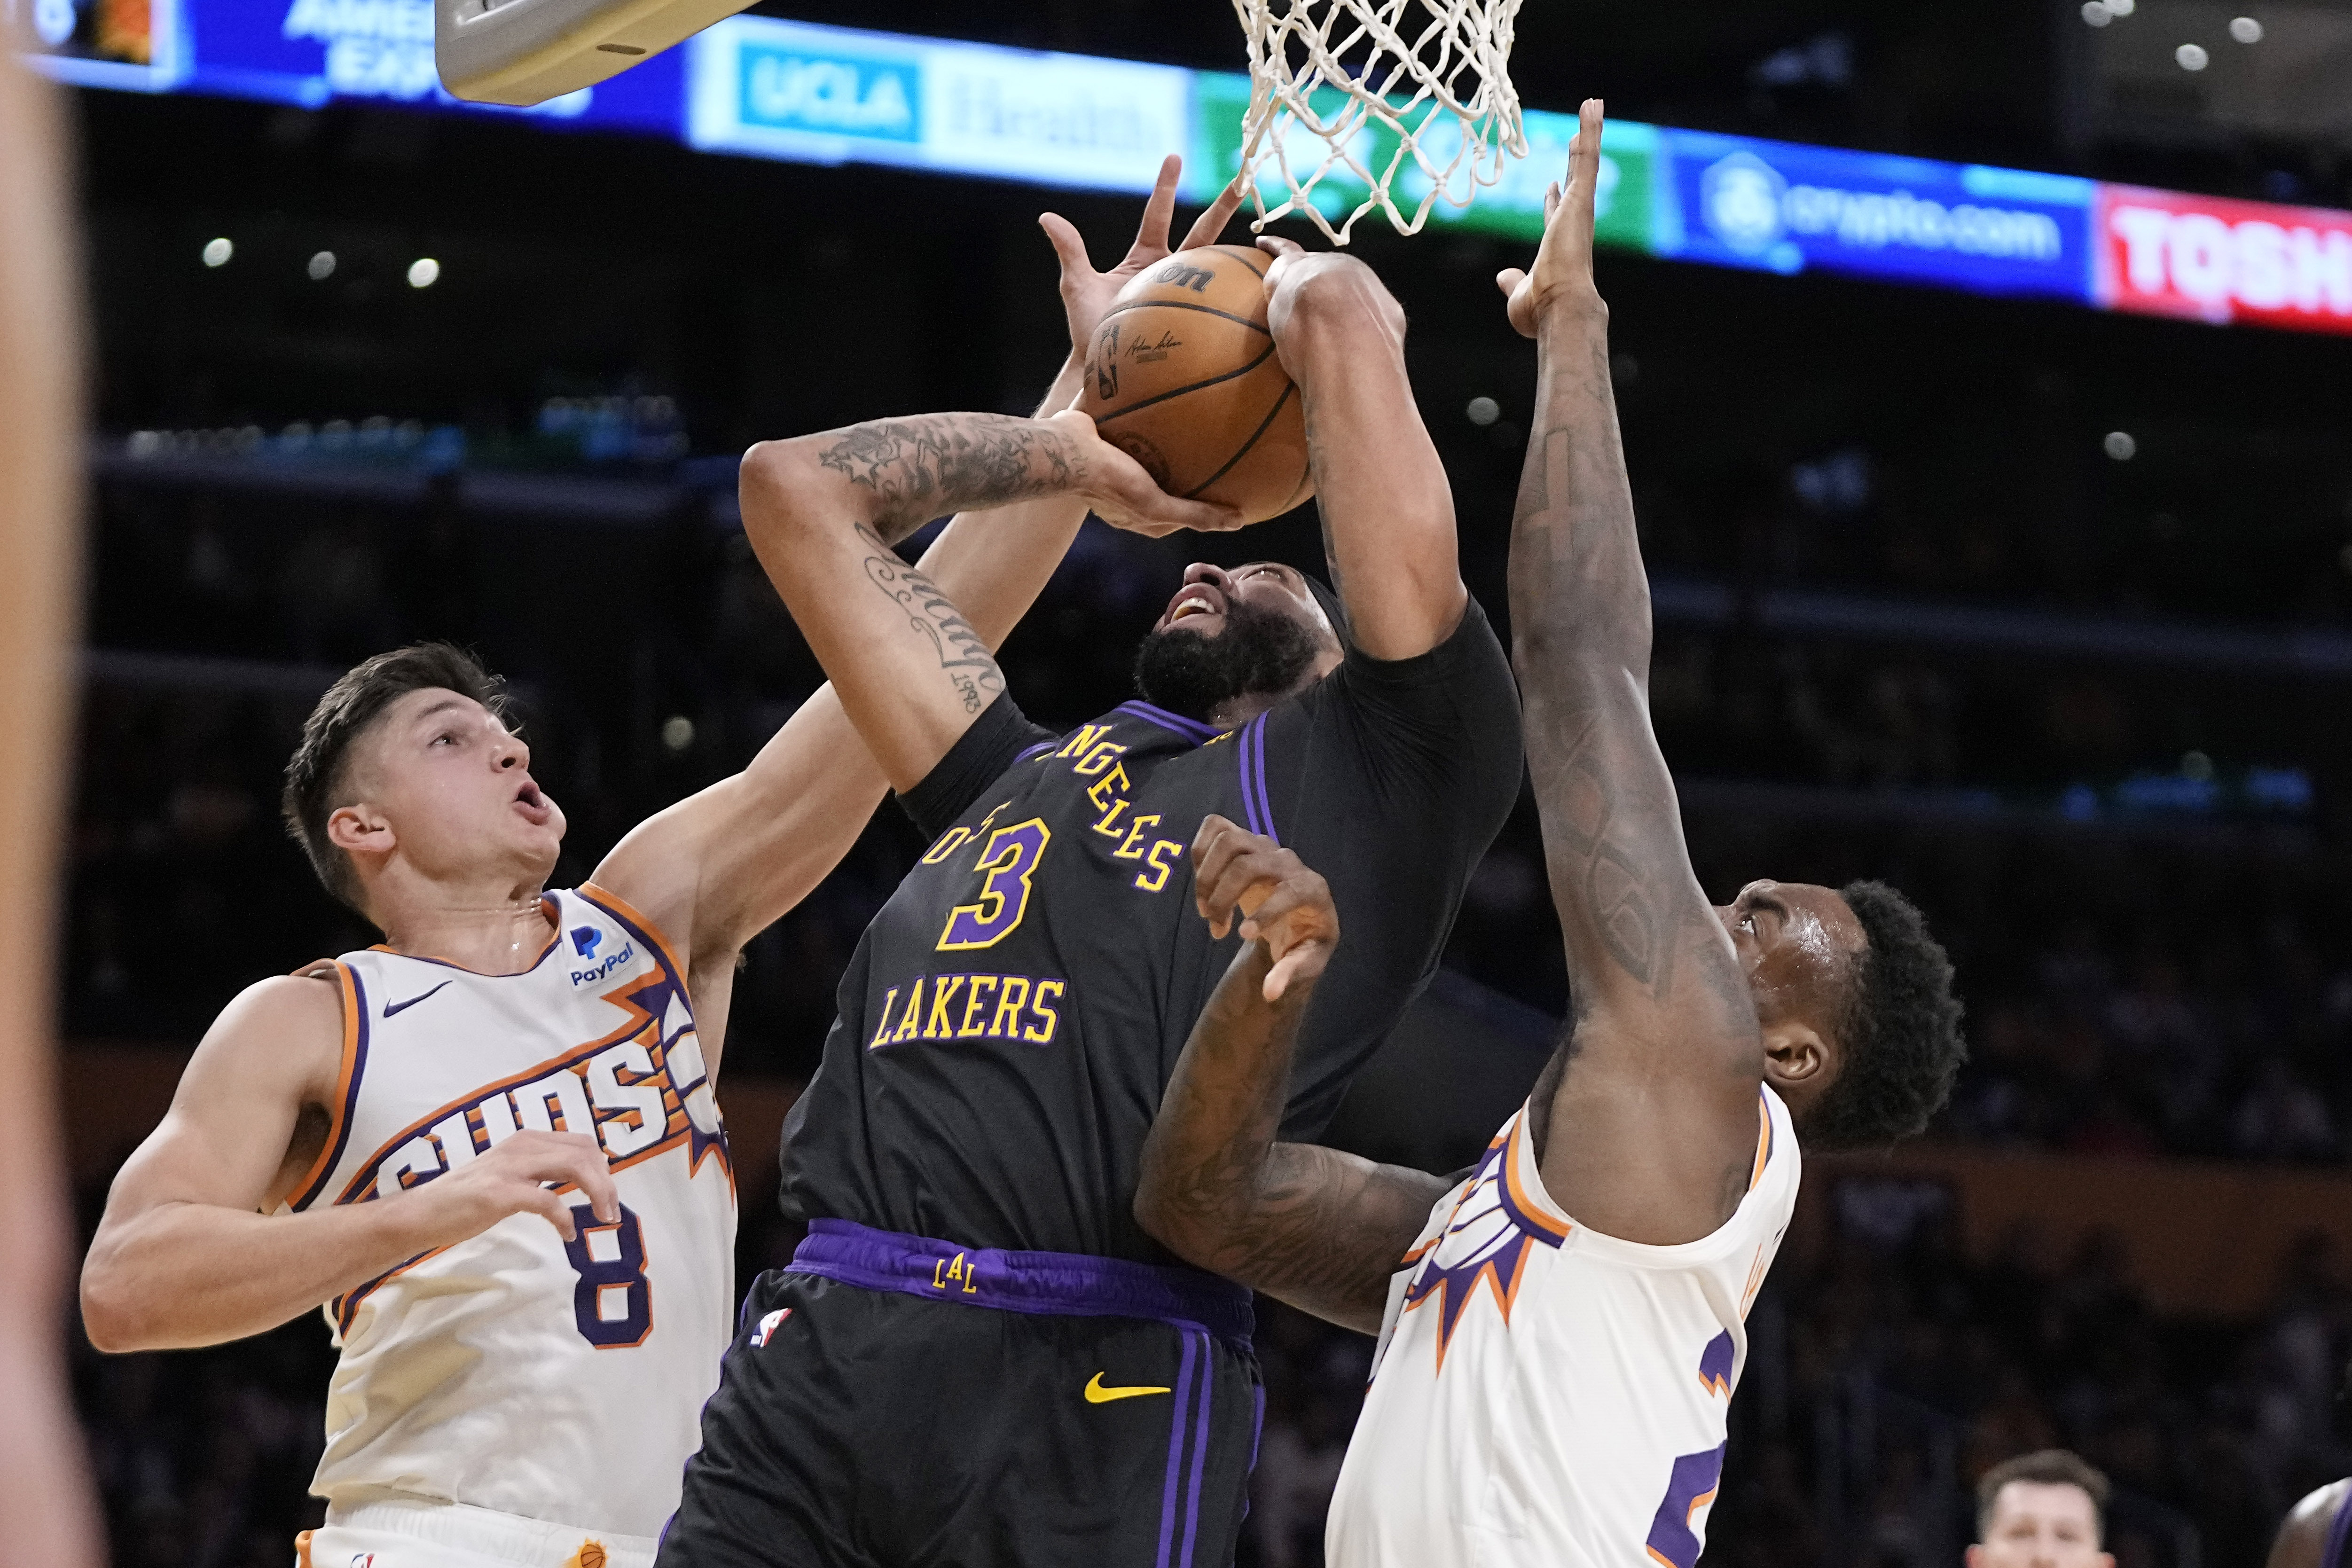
x=1354 y=102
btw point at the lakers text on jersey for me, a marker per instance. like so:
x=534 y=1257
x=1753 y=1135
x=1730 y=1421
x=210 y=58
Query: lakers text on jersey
x=1545 y=1395
x=517 y=1373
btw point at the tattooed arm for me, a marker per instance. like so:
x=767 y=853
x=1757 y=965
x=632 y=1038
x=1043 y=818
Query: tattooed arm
x=1646 y=1121
x=1312 y=1227
x=1382 y=492
x=823 y=511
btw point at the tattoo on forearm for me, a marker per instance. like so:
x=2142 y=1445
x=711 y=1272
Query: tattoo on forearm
x=961 y=652
x=1582 y=602
x=928 y=466
x=1320 y=1230
x=1625 y=909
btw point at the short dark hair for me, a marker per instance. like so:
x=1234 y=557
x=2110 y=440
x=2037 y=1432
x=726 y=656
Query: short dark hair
x=2049 y=1468
x=315 y=774
x=1899 y=1031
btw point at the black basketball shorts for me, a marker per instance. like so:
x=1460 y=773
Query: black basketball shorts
x=864 y=1427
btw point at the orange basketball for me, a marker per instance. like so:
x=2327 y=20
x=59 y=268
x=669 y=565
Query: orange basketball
x=1183 y=378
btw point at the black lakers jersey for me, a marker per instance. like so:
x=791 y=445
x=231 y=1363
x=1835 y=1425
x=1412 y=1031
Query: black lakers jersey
x=1010 y=1017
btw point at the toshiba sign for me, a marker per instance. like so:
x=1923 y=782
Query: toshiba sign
x=2164 y=253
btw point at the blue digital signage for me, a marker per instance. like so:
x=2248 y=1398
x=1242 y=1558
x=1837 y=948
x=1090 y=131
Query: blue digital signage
x=1777 y=205
x=309 y=52
x=768 y=88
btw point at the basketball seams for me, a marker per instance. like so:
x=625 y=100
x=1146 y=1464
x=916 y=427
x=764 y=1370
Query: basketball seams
x=1241 y=255
x=1256 y=436
x=1102 y=419
x=1229 y=425
x=1180 y=305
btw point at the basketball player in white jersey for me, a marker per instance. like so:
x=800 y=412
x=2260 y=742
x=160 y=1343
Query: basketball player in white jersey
x=1562 y=1328
x=490 y=1146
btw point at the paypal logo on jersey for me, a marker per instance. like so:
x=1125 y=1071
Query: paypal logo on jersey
x=586 y=940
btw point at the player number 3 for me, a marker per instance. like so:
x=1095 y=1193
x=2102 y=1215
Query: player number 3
x=1010 y=861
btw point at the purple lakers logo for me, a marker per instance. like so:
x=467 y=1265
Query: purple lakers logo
x=1486 y=1241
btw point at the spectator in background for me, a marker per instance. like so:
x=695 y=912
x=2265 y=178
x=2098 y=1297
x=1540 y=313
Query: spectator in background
x=2046 y=1510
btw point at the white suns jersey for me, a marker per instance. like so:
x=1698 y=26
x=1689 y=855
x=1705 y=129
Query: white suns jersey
x=1547 y=1395
x=515 y=1372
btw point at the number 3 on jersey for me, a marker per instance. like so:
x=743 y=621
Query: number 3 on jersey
x=1010 y=861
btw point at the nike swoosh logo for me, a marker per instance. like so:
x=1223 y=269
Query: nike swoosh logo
x=390 y=1007
x=1097 y=1394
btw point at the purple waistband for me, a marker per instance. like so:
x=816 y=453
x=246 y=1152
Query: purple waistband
x=1047 y=1284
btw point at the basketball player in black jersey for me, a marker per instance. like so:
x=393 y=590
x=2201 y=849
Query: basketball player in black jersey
x=978 y=1357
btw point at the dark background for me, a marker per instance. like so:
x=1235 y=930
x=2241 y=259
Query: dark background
x=1909 y=610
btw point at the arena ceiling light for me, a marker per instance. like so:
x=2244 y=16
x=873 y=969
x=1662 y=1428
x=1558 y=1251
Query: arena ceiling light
x=522 y=52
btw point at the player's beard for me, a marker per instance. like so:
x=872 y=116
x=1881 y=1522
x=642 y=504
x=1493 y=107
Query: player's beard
x=1260 y=650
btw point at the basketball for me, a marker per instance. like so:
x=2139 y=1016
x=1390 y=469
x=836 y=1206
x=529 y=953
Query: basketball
x=1182 y=376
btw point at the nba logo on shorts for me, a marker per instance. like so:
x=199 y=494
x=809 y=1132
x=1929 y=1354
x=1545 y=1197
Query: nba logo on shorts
x=362 y=1559
x=768 y=1325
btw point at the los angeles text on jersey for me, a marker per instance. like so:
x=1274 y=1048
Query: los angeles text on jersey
x=640 y=1090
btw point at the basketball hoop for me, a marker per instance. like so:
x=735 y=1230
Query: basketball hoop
x=523 y=52
x=1377 y=93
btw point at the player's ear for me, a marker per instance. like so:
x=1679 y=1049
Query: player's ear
x=1794 y=1054
x=1976 y=1557
x=360 y=829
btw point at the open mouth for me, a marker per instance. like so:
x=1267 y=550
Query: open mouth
x=1195 y=599
x=535 y=807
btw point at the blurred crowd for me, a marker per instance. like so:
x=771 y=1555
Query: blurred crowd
x=2164 y=982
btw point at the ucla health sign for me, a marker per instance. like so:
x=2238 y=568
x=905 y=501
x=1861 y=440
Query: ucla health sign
x=1788 y=209
x=786 y=89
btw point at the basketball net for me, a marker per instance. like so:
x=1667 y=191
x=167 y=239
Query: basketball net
x=1377 y=93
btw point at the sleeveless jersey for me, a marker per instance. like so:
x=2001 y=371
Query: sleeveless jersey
x=516 y=1372
x=1011 y=1016
x=1547 y=1395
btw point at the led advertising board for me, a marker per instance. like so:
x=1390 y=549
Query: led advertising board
x=1625 y=211
x=1787 y=208
x=133 y=46
x=827 y=95
x=773 y=89
x=2166 y=254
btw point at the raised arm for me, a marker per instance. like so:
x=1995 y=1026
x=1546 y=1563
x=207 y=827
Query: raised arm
x=1651 y=1128
x=823 y=511
x=1309 y=1226
x=719 y=867
x=1387 y=509
x=189 y=1254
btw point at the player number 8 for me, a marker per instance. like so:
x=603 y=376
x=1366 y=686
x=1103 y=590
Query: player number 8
x=625 y=1272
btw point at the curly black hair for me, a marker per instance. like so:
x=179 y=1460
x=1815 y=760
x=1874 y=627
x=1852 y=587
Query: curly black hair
x=316 y=774
x=1900 y=1029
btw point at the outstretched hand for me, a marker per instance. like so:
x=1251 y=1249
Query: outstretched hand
x=1118 y=490
x=1563 y=267
x=1086 y=294
x=1282 y=904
